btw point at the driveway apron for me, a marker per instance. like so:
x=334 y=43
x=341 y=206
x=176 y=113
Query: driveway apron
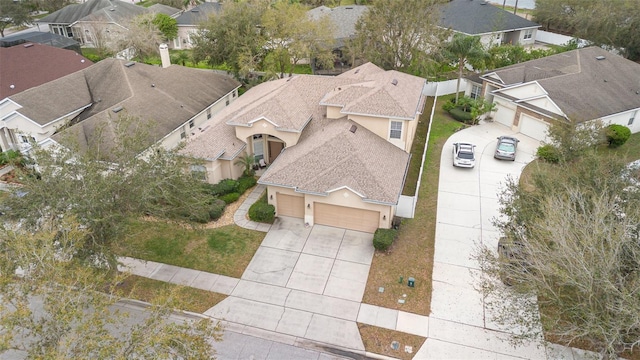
x=304 y=282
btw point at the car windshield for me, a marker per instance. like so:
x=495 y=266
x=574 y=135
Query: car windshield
x=506 y=147
x=465 y=155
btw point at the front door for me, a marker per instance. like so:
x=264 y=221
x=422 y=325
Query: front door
x=275 y=147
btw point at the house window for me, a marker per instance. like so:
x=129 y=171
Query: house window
x=632 y=118
x=209 y=113
x=396 y=130
x=227 y=102
x=234 y=94
x=475 y=91
x=191 y=124
x=199 y=172
x=528 y=34
x=183 y=134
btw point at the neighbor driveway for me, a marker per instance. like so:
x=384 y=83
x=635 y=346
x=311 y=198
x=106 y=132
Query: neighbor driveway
x=303 y=282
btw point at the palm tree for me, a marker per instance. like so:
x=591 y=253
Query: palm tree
x=180 y=58
x=246 y=160
x=464 y=50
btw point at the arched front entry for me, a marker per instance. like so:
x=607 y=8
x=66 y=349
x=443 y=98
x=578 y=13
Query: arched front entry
x=266 y=147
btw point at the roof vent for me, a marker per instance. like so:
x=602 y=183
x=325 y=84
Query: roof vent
x=117 y=109
x=353 y=129
x=112 y=9
x=195 y=10
x=12 y=86
x=348 y=8
x=357 y=71
x=394 y=82
x=28 y=45
x=153 y=85
x=600 y=57
x=129 y=64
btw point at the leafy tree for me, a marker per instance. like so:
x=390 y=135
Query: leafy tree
x=399 y=34
x=465 y=50
x=13 y=14
x=59 y=308
x=115 y=178
x=613 y=23
x=232 y=38
x=167 y=25
x=571 y=140
x=578 y=258
x=293 y=36
x=143 y=37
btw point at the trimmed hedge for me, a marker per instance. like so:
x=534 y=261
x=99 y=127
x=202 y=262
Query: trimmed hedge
x=230 y=198
x=224 y=187
x=548 y=153
x=383 y=238
x=617 y=135
x=217 y=209
x=460 y=115
x=245 y=183
x=262 y=211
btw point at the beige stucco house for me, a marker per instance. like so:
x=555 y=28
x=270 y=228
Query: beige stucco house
x=176 y=100
x=337 y=147
x=577 y=86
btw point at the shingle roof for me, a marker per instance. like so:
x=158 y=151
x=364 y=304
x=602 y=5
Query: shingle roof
x=164 y=9
x=40 y=37
x=199 y=14
x=331 y=157
x=475 y=17
x=120 y=13
x=582 y=85
x=29 y=65
x=74 y=12
x=344 y=18
x=168 y=97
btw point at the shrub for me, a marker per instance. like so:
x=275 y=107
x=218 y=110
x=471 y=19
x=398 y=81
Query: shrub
x=448 y=105
x=224 y=187
x=548 y=153
x=617 y=135
x=230 y=197
x=245 y=183
x=383 y=238
x=11 y=157
x=201 y=217
x=461 y=115
x=261 y=211
x=216 y=209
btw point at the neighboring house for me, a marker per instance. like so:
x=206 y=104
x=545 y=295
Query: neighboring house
x=99 y=22
x=578 y=86
x=176 y=100
x=493 y=25
x=28 y=65
x=337 y=147
x=40 y=37
x=190 y=21
x=343 y=18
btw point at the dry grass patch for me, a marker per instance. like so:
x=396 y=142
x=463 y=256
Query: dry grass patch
x=411 y=255
x=148 y=290
x=378 y=340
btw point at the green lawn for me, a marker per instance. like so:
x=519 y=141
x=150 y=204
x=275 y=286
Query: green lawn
x=226 y=250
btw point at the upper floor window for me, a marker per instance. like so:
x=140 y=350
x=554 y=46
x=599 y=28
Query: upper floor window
x=632 y=117
x=209 y=113
x=528 y=34
x=396 y=130
x=475 y=91
x=192 y=124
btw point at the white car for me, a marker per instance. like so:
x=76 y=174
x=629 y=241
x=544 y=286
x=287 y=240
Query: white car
x=464 y=155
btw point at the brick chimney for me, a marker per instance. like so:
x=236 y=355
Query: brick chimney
x=164 y=55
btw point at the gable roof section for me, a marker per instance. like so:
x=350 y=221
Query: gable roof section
x=29 y=65
x=331 y=157
x=344 y=19
x=74 y=12
x=199 y=14
x=120 y=13
x=476 y=17
x=586 y=84
x=165 y=9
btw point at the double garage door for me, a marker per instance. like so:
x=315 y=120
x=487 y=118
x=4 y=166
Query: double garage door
x=331 y=215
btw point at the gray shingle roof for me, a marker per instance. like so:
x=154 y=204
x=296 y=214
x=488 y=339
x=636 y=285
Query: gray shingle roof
x=164 y=9
x=475 y=17
x=199 y=14
x=74 y=12
x=584 y=87
x=344 y=18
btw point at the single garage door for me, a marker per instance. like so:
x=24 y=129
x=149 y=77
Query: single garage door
x=346 y=217
x=533 y=127
x=504 y=115
x=290 y=205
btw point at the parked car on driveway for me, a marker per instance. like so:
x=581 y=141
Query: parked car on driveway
x=464 y=155
x=506 y=148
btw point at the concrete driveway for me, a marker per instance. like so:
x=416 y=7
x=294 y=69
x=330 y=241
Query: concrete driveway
x=303 y=283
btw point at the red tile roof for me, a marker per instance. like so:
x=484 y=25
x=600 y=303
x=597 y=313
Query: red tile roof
x=28 y=65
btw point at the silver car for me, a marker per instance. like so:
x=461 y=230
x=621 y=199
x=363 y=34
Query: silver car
x=506 y=148
x=464 y=155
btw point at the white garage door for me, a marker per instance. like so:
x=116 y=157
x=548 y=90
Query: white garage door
x=533 y=127
x=504 y=115
x=346 y=217
x=290 y=205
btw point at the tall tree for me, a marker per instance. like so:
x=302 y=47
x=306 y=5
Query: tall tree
x=167 y=25
x=117 y=177
x=400 y=34
x=614 y=23
x=58 y=308
x=293 y=36
x=465 y=50
x=13 y=14
x=233 y=37
x=143 y=38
